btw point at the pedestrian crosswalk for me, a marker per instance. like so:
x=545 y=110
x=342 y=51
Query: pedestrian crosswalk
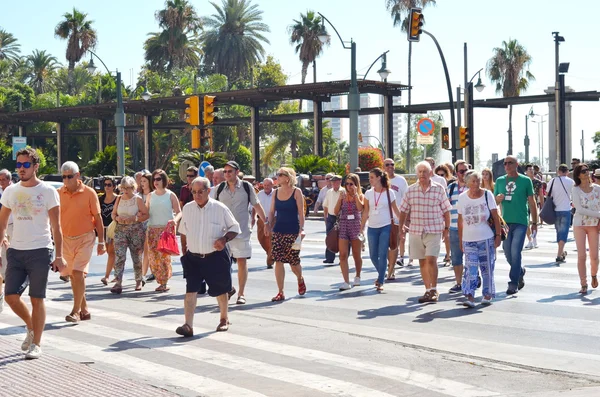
x=352 y=343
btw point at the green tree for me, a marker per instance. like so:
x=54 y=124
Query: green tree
x=400 y=12
x=103 y=163
x=80 y=36
x=304 y=34
x=41 y=66
x=312 y=164
x=177 y=45
x=596 y=140
x=9 y=48
x=243 y=157
x=233 y=39
x=509 y=69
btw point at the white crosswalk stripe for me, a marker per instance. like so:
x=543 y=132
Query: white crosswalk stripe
x=535 y=326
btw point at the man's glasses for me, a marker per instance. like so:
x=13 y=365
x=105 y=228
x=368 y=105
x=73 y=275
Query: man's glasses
x=227 y=171
x=191 y=176
x=508 y=162
x=463 y=171
x=26 y=164
x=108 y=185
x=197 y=192
x=67 y=176
x=157 y=179
x=389 y=164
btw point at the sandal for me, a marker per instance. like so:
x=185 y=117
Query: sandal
x=223 y=325
x=278 y=298
x=117 y=289
x=594 y=281
x=162 y=288
x=378 y=286
x=301 y=287
x=391 y=276
x=84 y=316
x=583 y=290
x=185 y=330
x=240 y=300
x=139 y=285
x=104 y=281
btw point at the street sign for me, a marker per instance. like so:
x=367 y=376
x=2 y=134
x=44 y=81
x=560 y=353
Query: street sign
x=18 y=143
x=202 y=167
x=425 y=126
x=424 y=139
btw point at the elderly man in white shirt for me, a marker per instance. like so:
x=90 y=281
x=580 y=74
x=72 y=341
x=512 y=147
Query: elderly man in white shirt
x=435 y=177
x=206 y=227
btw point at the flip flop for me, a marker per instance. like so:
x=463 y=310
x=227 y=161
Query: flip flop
x=104 y=281
x=223 y=325
x=241 y=300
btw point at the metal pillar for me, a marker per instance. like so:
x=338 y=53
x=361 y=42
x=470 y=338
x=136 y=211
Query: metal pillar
x=255 y=133
x=353 y=108
x=526 y=138
x=470 y=124
x=147 y=142
x=457 y=152
x=60 y=128
x=101 y=126
x=562 y=128
x=388 y=125
x=20 y=110
x=120 y=126
x=318 y=128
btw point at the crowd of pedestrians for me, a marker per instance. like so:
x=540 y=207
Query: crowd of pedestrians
x=449 y=205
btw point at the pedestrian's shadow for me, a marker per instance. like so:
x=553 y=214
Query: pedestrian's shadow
x=153 y=343
x=544 y=265
x=385 y=311
x=572 y=296
x=440 y=314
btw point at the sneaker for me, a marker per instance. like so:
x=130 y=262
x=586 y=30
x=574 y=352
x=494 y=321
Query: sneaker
x=522 y=279
x=345 y=286
x=486 y=301
x=469 y=304
x=561 y=259
x=511 y=291
x=150 y=278
x=34 y=352
x=356 y=282
x=400 y=262
x=1 y=302
x=457 y=288
x=529 y=245
x=426 y=297
x=28 y=340
x=535 y=244
x=435 y=296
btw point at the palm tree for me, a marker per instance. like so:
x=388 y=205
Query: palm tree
x=80 y=36
x=509 y=69
x=9 y=48
x=305 y=35
x=400 y=12
x=177 y=46
x=233 y=40
x=40 y=65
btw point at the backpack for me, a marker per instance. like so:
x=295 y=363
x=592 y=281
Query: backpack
x=223 y=184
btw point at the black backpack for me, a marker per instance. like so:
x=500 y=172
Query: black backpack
x=222 y=185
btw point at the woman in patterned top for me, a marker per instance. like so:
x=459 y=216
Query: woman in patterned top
x=586 y=200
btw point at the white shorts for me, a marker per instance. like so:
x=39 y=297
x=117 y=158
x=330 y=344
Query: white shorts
x=424 y=245
x=240 y=248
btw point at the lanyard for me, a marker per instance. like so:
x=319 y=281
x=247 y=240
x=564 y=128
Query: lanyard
x=377 y=198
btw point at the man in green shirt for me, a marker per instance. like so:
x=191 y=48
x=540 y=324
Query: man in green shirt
x=515 y=193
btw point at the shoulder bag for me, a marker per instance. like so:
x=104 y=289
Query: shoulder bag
x=504 y=229
x=112 y=227
x=548 y=213
x=395 y=229
x=332 y=239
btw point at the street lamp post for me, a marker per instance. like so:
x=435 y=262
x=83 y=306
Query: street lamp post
x=384 y=73
x=353 y=94
x=540 y=134
x=119 y=115
x=557 y=40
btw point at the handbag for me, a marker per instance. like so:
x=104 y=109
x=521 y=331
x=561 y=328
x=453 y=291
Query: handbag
x=111 y=229
x=504 y=229
x=395 y=230
x=167 y=243
x=332 y=239
x=548 y=212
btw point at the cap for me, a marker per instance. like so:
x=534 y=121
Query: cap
x=336 y=178
x=597 y=172
x=329 y=175
x=233 y=164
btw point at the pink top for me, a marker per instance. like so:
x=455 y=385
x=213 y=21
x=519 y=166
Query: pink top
x=426 y=209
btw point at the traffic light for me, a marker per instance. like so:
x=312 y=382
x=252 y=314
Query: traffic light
x=464 y=137
x=445 y=138
x=192 y=111
x=415 y=21
x=210 y=110
x=196 y=138
x=206 y=139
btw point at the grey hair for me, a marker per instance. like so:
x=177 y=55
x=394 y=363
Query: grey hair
x=201 y=180
x=472 y=173
x=267 y=180
x=6 y=173
x=128 y=181
x=209 y=168
x=422 y=164
x=70 y=166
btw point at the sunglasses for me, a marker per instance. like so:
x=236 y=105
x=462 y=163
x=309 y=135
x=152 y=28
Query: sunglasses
x=442 y=175
x=157 y=179
x=463 y=171
x=389 y=165
x=349 y=184
x=282 y=174
x=68 y=176
x=191 y=176
x=26 y=164
x=508 y=162
x=584 y=171
x=227 y=171
x=108 y=185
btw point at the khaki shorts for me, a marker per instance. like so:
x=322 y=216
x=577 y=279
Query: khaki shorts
x=423 y=245
x=77 y=252
x=240 y=248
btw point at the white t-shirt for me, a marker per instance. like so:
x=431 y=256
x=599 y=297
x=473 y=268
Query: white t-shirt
x=475 y=214
x=399 y=186
x=265 y=200
x=29 y=207
x=562 y=197
x=438 y=179
x=379 y=213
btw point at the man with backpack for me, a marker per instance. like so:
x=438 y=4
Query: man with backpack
x=237 y=194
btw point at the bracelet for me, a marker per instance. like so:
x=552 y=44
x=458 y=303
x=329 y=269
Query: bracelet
x=102 y=243
x=498 y=235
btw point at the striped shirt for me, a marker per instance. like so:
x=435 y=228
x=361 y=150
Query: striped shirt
x=426 y=209
x=203 y=226
x=454 y=190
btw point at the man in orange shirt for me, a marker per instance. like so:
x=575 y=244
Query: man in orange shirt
x=79 y=216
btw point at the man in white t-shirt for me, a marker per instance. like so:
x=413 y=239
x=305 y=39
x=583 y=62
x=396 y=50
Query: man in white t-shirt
x=398 y=184
x=561 y=187
x=323 y=192
x=265 y=198
x=435 y=177
x=34 y=206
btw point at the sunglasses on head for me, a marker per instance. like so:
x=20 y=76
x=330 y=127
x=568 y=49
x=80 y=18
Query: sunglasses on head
x=68 y=176
x=26 y=164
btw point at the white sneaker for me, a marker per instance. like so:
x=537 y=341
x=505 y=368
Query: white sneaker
x=535 y=244
x=529 y=245
x=345 y=286
x=486 y=302
x=468 y=303
x=1 y=302
x=356 y=282
x=28 y=341
x=34 y=352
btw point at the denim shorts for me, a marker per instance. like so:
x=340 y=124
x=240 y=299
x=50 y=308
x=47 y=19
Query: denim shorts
x=455 y=249
x=33 y=263
x=563 y=221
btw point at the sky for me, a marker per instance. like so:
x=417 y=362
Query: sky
x=123 y=26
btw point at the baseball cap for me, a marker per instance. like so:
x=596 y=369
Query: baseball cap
x=336 y=178
x=233 y=164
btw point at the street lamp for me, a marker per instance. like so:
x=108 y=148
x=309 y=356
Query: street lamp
x=540 y=134
x=384 y=72
x=119 y=114
x=353 y=94
x=526 y=142
x=361 y=136
x=469 y=112
x=146 y=95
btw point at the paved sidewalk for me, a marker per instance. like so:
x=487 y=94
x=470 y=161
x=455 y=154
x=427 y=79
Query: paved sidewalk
x=53 y=376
